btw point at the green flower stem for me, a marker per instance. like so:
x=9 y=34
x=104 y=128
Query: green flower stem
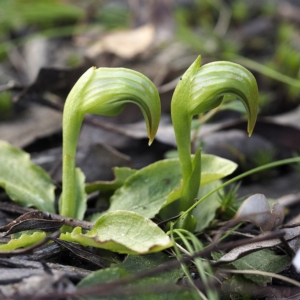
x=105 y=92
x=201 y=89
x=71 y=132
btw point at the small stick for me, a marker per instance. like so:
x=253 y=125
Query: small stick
x=12 y=208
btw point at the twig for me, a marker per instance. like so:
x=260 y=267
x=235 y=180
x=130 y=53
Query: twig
x=12 y=208
x=9 y=86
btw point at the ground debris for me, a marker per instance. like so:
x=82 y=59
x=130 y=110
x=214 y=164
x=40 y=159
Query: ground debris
x=38 y=285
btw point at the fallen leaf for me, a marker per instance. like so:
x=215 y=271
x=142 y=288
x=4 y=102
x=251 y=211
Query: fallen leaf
x=236 y=253
x=126 y=44
x=36 y=122
x=82 y=253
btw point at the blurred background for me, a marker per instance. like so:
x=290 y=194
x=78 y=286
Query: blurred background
x=45 y=46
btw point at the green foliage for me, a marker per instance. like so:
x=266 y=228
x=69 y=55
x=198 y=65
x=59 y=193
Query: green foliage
x=229 y=203
x=205 y=35
x=24 y=182
x=166 y=187
x=238 y=287
x=145 y=289
x=113 y=16
x=192 y=244
x=146 y=191
x=123 y=232
x=25 y=240
x=6 y=105
x=15 y=14
x=134 y=264
x=239 y=10
x=151 y=188
x=263 y=260
x=206 y=211
x=107 y=187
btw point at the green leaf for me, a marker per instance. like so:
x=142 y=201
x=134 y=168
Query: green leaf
x=123 y=232
x=102 y=276
x=238 y=287
x=15 y=14
x=121 y=174
x=24 y=182
x=147 y=191
x=138 y=263
x=205 y=212
x=144 y=289
x=214 y=168
x=23 y=241
x=263 y=260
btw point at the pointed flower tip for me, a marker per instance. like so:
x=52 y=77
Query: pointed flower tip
x=251 y=128
x=252 y=119
x=151 y=138
x=197 y=62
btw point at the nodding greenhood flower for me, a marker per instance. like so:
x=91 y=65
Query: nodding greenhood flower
x=201 y=89
x=103 y=91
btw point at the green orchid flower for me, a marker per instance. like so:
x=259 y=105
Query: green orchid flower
x=201 y=89
x=103 y=91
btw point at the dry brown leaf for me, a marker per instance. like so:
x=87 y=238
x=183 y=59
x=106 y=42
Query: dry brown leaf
x=126 y=44
x=238 y=252
x=36 y=122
